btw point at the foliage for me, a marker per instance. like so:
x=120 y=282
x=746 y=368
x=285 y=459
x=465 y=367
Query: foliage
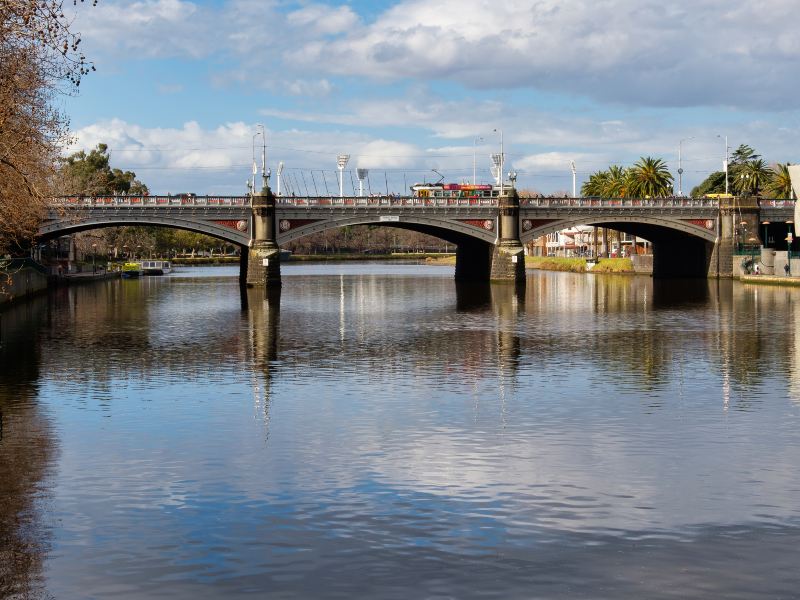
x=39 y=58
x=780 y=183
x=614 y=265
x=92 y=175
x=649 y=178
x=556 y=263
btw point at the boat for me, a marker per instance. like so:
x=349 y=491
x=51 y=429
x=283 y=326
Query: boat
x=156 y=267
x=131 y=270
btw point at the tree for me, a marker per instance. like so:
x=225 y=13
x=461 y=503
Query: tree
x=751 y=177
x=39 y=59
x=780 y=183
x=92 y=175
x=649 y=177
x=595 y=185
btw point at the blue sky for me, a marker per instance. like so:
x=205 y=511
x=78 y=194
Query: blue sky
x=409 y=86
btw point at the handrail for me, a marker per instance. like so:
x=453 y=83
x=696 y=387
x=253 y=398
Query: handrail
x=152 y=201
x=191 y=200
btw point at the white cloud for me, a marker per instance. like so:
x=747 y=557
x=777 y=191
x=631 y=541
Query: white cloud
x=323 y=19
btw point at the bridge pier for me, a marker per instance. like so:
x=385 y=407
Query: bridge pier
x=508 y=256
x=263 y=256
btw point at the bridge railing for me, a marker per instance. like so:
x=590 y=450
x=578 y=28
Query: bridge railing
x=391 y=201
x=152 y=201
x=620 y=202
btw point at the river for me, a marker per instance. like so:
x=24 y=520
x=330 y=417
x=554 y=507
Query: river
x=376 y=431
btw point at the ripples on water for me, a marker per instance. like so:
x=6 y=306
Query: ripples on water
x=377 y=431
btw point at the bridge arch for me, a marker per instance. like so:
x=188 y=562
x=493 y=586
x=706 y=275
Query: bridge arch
x=57 y=227
x=644 y=227
x=450 y=230
x=681 y=248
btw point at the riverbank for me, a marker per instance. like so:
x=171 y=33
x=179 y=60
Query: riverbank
x=770 y=280
x=558 y=263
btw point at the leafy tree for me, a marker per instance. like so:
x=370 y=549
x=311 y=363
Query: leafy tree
x=91 y=175
x=649 y=177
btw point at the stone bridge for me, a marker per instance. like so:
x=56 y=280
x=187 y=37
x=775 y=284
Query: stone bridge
x=690 y=237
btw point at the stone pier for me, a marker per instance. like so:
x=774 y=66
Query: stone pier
x=263 y=255
x=508 y=255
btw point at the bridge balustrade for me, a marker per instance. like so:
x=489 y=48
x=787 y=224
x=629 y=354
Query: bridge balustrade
x=391 y=201
x=151 y=201
x=620 y=202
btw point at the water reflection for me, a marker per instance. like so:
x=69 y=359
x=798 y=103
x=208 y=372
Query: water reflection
x=27 y=450
x=384 y=432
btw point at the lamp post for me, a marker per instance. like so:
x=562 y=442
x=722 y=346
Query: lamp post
x=680 y=165
x=341 y=162
x=474 y=152
x=789 y=238
x=94 y=257
x=744 y=183
x=255 y=167
x=574 y=180
x=725 y=163
x=278 y=171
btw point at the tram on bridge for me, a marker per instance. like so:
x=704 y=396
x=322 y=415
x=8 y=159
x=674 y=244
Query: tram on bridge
x=455 y=190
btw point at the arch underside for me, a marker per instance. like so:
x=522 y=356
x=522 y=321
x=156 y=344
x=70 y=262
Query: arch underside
x=453 y=232
x=651 y=229
x=53 y=229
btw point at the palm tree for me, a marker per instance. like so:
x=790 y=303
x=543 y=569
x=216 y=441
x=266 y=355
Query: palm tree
x=649 y=177
x=617 y=182
x=780 y=184
x=595 y=186
x=751 y=177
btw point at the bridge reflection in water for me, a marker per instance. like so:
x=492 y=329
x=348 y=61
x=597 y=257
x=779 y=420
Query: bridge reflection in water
x=117 y=364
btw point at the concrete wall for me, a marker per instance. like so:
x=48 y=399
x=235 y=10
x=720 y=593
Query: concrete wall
x=23 y=282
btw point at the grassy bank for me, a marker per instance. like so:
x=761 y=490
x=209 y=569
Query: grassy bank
x=578 y=265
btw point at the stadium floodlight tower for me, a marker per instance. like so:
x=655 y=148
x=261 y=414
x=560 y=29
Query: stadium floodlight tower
x=341 y=161
x=278 y=172
x=362 y=175
x=496 y=168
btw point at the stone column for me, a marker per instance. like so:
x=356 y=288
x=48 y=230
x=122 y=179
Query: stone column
x=508 y=257
x=263 y=260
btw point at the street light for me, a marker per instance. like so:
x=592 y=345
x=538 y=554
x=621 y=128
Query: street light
x=744 y=183
x=94 y=256
x=341 y=162
x=278 y=172
x=574 y=180
x=680 y=165
x=255 y=167
x=474 y=151
x=725 y=163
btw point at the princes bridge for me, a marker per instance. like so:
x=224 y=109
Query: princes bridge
x=690 y=237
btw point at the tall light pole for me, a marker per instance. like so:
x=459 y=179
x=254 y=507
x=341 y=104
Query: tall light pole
x=362 y=175
x=255 y=167
x=725 y=164
x=278 y=172
x=341 y=162
x=264 y=174
x=574 y=180
x=474 y=152
x=680 y=166
x=501 y=161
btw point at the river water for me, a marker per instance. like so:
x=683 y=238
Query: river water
x=376 y=431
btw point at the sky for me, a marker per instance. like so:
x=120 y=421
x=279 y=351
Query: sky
x=408 y=87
